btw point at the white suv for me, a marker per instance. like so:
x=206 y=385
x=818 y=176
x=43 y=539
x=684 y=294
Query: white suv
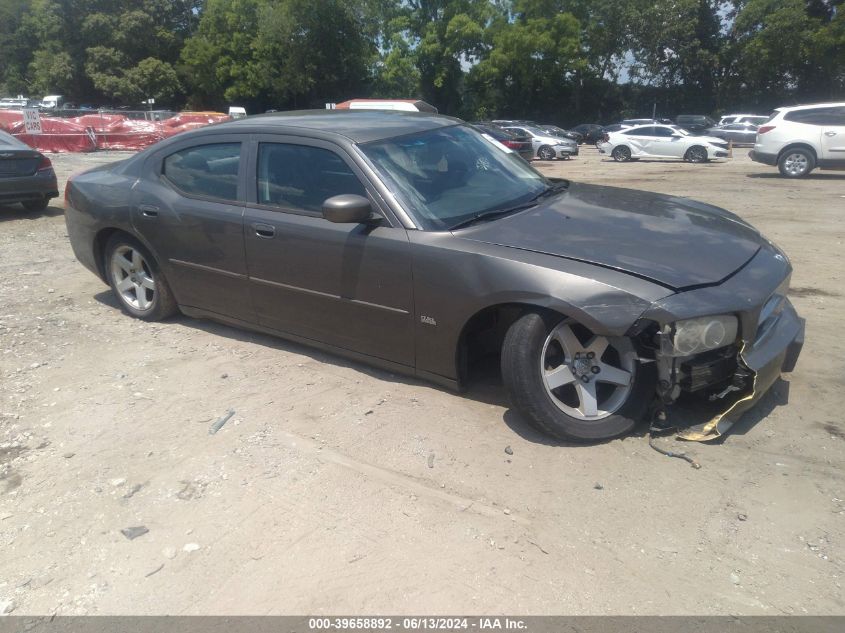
x=801 y=138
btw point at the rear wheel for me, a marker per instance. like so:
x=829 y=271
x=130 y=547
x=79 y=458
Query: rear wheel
x=546 y=153
x=572 y=383
x=696 y=154
x=621 y=154
x=36 y=205
x=796 y=163
x=136 y=280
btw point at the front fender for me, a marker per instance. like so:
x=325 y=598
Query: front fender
x=455 y=279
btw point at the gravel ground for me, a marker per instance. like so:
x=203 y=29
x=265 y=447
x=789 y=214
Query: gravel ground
x=336 y=488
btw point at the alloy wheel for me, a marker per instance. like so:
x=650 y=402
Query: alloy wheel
x=133 y=278
x=796 y=164
x=587 y=376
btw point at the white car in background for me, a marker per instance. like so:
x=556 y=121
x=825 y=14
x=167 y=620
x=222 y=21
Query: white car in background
x=546 y=146
x=801 y=138
x=662 y=141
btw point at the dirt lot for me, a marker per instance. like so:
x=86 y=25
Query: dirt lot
x=336 y=488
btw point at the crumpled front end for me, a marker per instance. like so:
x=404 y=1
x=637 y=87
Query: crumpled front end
x=732 y=377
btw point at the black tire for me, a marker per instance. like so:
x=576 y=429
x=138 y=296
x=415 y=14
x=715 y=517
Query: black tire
x=796 y=163
x=521 y=373
x=162 y=304
x=696 y=154
x=621 y=154
x=546 y=153
x=36 y=205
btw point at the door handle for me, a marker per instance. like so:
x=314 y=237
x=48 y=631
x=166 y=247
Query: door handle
x=264 y=230
x=148 y=210
x=831 y=133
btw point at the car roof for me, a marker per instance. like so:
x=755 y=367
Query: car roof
x=358 y=126
x=808 y=106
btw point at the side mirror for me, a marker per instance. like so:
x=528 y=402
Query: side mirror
x=347 y=208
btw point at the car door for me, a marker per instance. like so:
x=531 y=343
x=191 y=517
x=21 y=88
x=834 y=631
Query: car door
x=665 y=142
x=640 y=140
x=188 y=207
x=833 y=135
x=347 y=285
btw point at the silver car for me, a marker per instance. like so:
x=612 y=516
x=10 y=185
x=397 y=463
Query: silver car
x=546 y=146
x=744 y=133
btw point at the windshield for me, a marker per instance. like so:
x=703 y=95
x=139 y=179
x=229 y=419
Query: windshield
x=449 y=175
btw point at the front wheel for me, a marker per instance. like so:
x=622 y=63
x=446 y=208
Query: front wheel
x=136 y=280
x=696 y=154
x=546 y=153
x=621 y=154
x=796 y=163
x=571 y=383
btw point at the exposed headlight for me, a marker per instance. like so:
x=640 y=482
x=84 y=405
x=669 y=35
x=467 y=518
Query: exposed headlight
x=693 y=336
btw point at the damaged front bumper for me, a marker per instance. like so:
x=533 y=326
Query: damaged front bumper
x=763 y=365
x=735 y=377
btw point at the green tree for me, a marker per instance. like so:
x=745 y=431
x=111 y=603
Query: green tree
x=531 y=60
x=219 y=62
x=16 y=50
x=789 y=49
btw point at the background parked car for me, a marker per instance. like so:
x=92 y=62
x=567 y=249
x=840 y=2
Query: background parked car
x=590 y=132
x=554 y=130
x=756 y=119
x=26 y=175
x=801 y=138
x=662 y=141
x=546 y=146
x=743 y=133
x=695 y=123
x=520 y=144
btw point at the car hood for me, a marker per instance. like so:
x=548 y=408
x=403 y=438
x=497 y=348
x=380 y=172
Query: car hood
x=673 y=241
x=555 y=140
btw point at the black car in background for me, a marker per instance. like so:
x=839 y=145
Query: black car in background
x=520 y=144
x=26 y=175
x=695 y=123
x=590 y=133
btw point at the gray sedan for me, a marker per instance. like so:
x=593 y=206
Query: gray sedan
x=417 y=244
x=26 y=175
x=739 y=133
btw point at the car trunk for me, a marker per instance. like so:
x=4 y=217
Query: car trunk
x=15 y=164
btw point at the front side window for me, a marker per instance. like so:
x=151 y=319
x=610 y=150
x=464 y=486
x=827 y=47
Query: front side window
x=205 y=171
x=448 y=175
x=301 y=177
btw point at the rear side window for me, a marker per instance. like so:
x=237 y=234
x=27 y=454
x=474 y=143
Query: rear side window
x=302 y=177
x=640 y=131
x=205 y=171
x=662 y=131
x=817 y=116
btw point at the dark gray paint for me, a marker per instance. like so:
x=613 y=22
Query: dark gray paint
x=399 y=297
x=20 y=178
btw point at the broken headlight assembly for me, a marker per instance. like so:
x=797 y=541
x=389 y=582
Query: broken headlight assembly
x=694 y=336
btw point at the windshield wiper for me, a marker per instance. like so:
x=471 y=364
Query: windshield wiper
x=553 y=189
x=493 y=214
